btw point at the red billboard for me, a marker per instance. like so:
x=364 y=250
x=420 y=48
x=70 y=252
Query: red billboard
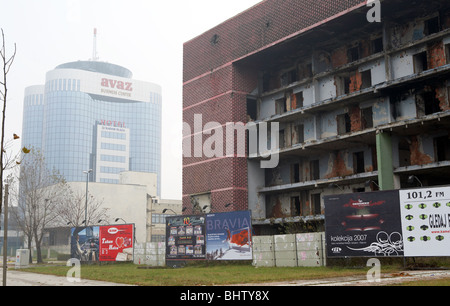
x=116 y=242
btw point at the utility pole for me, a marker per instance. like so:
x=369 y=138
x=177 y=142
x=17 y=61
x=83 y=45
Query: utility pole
x=5 y=234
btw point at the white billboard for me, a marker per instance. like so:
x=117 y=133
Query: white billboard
x=425 y=218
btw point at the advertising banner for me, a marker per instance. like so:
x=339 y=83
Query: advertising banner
x=185 y=237
x=215 y=236
x=116 y=242
x=84 y=243
x=228 y=236
x=102 y=243
x=363 y=224
x=425 y=219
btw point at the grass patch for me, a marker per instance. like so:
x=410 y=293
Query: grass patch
x=426 y=283
x=198 y=275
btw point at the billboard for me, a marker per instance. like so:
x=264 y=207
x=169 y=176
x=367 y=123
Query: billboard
x=363 y=224
x=185 y=237
x=116 y=242
x=410 y=223
x=102 y=243
x=215 y=236
x=228 y=236
x=425 y=219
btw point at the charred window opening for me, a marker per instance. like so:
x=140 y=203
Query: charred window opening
x=281 y=139
x=299 y=130
x=251 y=109
x=420 y=62
x=358 y=162
x=280 y=106
x=295 y=173
x=447 y=53
x=377 y=45
x=367 y=117
x=314 y=169
x=298 y=100
x=315 y=203
x=366 y=79
x=442 y=148
x=353 y=54
x=404 y=152
x=295 y=206
x=289 y=77
x=431 y=26
x=343 y=84
x=427 y=103
x=344 y=124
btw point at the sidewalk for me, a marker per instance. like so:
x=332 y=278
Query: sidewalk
x=18 y=278
x=386 y=279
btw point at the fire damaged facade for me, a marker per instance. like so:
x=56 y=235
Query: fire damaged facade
x=361 y=106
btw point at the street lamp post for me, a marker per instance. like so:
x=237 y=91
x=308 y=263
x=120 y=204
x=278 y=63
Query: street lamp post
x=85 y=207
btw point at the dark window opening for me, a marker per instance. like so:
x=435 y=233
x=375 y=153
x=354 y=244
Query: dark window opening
x=308 y=72
x=377 y=45
x=289 y=77
x=353 y=54
x=314 y=169
x=300 y=133
x=366 y=78
x=432 y=26
x=344 y=124
x=280 y=106
x=427 y=103
x=358 y=162
x=346 y=84
x=281 y=139
x=251 y=109
x=295 y=206
x=299 y=99
x=404 y=153
x=295 y=173
x=316 y=206
x=442 y=148
x=447 y=53
x=420 y=62
x=367 y=117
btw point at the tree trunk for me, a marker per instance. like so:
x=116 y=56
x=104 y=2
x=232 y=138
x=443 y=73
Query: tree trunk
x=29 y=247
x=38 y=250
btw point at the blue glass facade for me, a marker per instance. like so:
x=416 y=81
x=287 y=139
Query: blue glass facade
x=65 y=126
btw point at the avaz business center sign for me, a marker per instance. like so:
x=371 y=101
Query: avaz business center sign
x=410 y=223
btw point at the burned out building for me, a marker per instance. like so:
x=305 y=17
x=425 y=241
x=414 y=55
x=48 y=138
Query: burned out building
x=361 y=105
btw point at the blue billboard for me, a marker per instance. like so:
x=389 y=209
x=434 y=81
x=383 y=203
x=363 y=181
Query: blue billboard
x=229 y=236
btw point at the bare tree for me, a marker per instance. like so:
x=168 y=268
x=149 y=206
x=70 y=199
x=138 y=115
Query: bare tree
x=6 y=63
x=72 y=209
x=40 y=191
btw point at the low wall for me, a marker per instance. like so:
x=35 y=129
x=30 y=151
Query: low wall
x=296 y=250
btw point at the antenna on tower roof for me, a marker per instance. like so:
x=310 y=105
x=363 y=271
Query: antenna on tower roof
x=94 y=51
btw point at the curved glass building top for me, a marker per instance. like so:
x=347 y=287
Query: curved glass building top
x=100 y=67
x=92 y=120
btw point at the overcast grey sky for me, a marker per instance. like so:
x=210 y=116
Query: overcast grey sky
x=144 y=36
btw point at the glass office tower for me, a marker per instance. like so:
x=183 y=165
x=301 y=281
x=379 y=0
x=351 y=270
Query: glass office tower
x=93 y=115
